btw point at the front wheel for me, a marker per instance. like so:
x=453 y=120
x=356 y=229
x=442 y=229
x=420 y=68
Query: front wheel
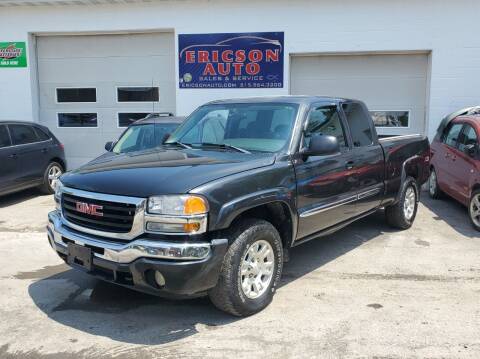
x=433 y=188
x=251 y=269
x=50 y=177
x=474 y=209
x=402 y=214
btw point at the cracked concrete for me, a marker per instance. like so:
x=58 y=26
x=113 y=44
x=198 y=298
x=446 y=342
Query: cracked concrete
x=367 y=291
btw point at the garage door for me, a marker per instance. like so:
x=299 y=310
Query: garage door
x=91 y=86
x=392 y=86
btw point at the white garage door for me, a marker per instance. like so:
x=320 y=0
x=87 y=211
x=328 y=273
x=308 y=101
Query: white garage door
x=392 y=86
x=90 y=86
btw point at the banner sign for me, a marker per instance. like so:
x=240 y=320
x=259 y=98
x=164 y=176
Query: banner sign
x=241 y=60
x=13 y=54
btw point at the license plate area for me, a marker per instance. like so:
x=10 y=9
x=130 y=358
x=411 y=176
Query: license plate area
x=80 y=256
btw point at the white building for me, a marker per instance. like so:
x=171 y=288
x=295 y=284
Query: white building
x=416 y=59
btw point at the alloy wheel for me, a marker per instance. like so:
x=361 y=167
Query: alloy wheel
x=409 y=203
x=475 y=209
x=53 y=173
x=432 y=183
x=256 y=269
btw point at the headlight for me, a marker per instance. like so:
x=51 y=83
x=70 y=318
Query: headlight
x=182 y=214
x=58 y=193
x=177 y=205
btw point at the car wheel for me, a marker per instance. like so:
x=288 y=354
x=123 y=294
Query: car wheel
x=433 y=188
x=474 y=209
x=251 y=269
x=402 y=214
x=50 y=177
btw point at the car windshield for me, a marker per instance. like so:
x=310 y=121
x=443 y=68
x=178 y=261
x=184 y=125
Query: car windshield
x=142 y=137
x=264 y=127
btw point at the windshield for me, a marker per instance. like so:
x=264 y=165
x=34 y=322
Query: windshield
x=142 y=137
x=262 y=127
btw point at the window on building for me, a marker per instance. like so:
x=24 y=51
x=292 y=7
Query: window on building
x=4 y=137
x=137 y=94
x=359 y=124
x=390 y=118
x=125 y=119
x=77 y=120
x=324 y=121
x=22 y=134
x=76 y=95
x=452 y=137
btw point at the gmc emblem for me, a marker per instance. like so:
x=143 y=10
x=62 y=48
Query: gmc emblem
x=91 y=209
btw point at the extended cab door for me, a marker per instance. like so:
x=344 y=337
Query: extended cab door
x=326 y=188
x=367 y=157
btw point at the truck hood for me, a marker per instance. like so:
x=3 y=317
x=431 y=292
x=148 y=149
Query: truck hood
x=160 y=171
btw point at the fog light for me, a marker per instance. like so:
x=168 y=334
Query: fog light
x=159 y=279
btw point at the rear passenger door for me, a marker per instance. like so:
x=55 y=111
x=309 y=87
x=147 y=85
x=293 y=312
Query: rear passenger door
x=31 y=153
x=8 y=162
x=367 y=156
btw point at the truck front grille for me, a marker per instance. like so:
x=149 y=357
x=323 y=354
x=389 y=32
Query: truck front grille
x=115 y=217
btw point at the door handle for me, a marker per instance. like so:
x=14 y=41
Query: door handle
x=349 y=165
x=13 y=155
x=44 y=150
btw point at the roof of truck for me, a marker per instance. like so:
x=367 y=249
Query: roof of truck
x=289 y=99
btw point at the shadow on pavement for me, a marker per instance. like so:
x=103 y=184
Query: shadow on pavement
x=451 y=212
x=79 y=301
x=316 y=253
x=18 y=197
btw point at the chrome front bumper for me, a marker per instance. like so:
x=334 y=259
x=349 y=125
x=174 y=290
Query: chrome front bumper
x=59 y=234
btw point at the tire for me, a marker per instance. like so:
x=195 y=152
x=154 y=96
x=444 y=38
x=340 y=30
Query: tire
x=53 y=169
x=247 y=237
x=474 y=209
x=433 y=189
x=398 y=215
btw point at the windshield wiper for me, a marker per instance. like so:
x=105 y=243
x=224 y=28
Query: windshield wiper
x=223 y=145
x=178 y=143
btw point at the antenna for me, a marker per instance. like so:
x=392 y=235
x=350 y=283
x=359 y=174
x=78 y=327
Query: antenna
x=153 y=100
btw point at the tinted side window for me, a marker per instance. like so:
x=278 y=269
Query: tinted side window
x=452 y=136
x=324 y=121
x=468 y=138
x=4 y=137
x=41 y=134
x=22 y=134
x=359 y=124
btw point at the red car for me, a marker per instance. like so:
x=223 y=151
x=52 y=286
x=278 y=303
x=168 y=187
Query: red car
x=455 y=161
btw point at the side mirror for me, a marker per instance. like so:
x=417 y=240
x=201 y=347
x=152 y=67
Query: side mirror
x=109 y=146
x=165 y=137
x=322 y=145
x=471 y=150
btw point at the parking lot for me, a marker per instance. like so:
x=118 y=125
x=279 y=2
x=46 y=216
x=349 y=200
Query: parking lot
x=367 y=291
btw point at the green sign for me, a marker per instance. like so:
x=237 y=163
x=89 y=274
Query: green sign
x=13 y=54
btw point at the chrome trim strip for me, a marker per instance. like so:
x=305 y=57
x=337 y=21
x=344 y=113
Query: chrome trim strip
x=369 y=193
x=328 y=206
x=125 y=252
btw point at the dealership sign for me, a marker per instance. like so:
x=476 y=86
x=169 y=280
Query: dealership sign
x=241 y=60
x=13 y=54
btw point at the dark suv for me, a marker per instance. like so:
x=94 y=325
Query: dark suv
x=30 y=156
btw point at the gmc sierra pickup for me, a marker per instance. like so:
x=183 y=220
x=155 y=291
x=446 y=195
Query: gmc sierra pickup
x=215 y=209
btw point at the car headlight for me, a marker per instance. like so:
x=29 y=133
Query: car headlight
x=58 y=193
x=180 y=214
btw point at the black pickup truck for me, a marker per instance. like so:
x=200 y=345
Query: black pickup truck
x=215 y=209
